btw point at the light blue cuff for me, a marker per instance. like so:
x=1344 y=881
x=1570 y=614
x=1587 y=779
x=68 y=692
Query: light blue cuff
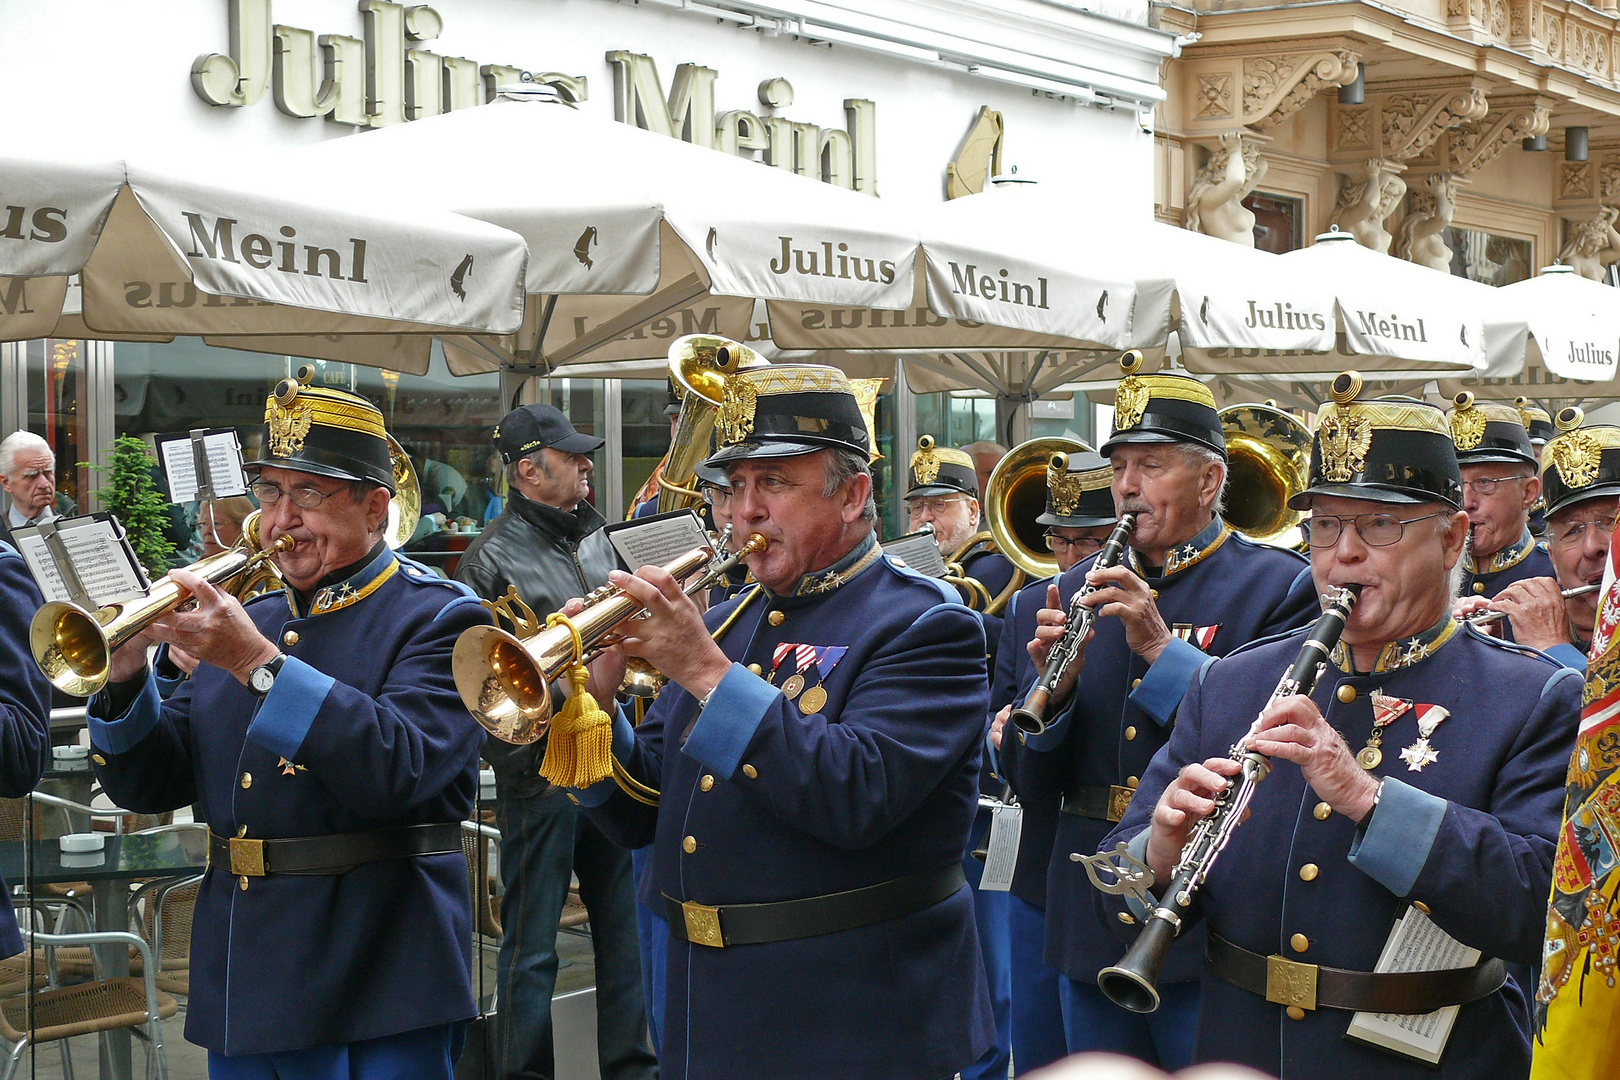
x=1165 y=684
x=1568 y=655
x=166 y=686
x=1138 y=849
x=624 y=737
x=1056 y=727
x=119 y=735
x=991 y=756
x=724 y=729
x=1393 y=845
x=288 y=710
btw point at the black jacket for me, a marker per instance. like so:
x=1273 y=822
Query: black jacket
x=551 y=555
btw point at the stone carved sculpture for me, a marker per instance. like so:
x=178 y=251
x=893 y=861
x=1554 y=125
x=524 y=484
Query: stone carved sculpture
x=1423 y=229
x=1593 y=244
x=1364 y=206
x=1215 y=203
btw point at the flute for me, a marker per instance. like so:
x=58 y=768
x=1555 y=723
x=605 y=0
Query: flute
x=1485 y=618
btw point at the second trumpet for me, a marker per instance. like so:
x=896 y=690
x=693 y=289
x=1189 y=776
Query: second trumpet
x=505 y=678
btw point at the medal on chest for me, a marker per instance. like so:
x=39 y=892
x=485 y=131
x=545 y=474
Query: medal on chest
x=1386 y=710
x=802 y=663
x=1422 y=752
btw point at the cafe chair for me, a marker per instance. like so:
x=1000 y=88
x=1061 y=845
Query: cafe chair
x=102 y=1005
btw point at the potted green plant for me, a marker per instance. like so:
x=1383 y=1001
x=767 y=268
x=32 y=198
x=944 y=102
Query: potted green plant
x=133 y=495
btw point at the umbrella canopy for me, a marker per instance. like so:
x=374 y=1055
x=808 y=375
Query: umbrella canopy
x=634 y=238
x=239 y=255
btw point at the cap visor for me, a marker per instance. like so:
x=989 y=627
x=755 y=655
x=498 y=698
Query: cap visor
x=933 y=489
x=578 y=443
x=1596 y=491
x=745 y=450
x=1365 y=493
x=1486 y=457
x=1075 y=522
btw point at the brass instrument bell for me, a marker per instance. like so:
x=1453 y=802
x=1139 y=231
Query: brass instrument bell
x=1269 y=461
x=1015 y=495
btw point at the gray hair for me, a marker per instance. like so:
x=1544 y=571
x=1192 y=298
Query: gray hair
x=984 y=446
x=841 y=466
x=537 y=459
x=1199 y=455
x=16 y=443
x=1454 y=581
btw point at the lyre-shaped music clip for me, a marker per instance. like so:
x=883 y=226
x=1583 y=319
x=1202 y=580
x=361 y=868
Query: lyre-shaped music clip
x=512 y=608
x=1128 y=875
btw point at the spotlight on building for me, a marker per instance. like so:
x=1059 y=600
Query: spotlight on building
x=1575 y=143
x=1355 y=93
x=1535 y=142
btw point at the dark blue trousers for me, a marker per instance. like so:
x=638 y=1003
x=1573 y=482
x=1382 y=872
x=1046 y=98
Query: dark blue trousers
x=653 y=933
x=1164 y=1038
x=425 y=1054
x=990 y=912
x=1037 y=1012
x=542 y=839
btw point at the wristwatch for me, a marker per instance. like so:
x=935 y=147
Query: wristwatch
x=263 y=677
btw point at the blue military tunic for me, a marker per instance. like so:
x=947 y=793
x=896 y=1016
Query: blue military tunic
x=1466 y=824
x=1524 y=558
x=1037 y=794
x=763 y=803
x=25 y=706
x=363 y=730
x=1217 y=592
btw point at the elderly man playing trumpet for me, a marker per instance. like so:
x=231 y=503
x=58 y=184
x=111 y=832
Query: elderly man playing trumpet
x=1421 y=780
x=809 y=776
x=323 y=740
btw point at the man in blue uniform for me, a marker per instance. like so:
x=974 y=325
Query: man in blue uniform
x=1540 y=427
x=1190 y=588
x=1500 y=486
x=818 y=768
x=323 y=739
x=1079 y=516
x=25 y=705
x=1421 y=781
x=942 y=492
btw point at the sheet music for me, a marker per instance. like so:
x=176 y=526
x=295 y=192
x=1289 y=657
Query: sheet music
x=99 y=554
x=224 y=461
x=920 y=551
x=1001 y=854
x=1415 y=944
x=656 y=540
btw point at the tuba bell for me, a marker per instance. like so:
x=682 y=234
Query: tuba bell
x=405 y=508
x=74 y=646
x=699 y=365
x=1015 y=495
x=1269 y=455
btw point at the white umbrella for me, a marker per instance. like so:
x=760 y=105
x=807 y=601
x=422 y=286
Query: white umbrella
x=242 y=251
x=634 y=238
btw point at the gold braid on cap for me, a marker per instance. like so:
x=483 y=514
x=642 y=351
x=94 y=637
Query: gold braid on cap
x=1467 y=422
x=925 y=462
x=1574 y=453
x=1066 y=487
x=1344 y=431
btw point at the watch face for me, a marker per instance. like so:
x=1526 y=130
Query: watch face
x=261 y=680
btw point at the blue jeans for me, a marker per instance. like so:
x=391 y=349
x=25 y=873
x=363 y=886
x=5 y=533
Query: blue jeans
x=1164 y=1038
x=542 y=839
x=1037 y=1012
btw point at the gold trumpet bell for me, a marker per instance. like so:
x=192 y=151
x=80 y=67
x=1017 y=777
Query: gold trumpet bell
x=1269 y=456
x=1015 y=495
x=513 y=700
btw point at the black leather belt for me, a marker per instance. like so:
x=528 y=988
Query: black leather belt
x=336 y=853
x=1311 y=986
x=1101 y=803
x=758 y=924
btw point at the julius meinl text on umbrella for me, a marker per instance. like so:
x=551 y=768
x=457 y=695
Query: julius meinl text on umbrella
x=260 y=252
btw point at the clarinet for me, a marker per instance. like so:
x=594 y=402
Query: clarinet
x=1131 y=983
x=1031 y=718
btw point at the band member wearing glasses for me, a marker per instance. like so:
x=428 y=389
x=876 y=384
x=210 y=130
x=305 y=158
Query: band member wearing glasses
x=1500 y=488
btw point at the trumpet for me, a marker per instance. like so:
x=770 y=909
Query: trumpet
x=1031 y=717
x=641 y=679
x=1132 y=983
x=505 y=678
x=73 y=646
x=1485 y=618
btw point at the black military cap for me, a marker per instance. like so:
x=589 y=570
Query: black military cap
x=1162 y=409
x=528 y=428
x=940 y=471
x=325 y=432
x=784 y=410
x=1486 y=431
x=1536 y=421
x=1079 y=491
x=1392 y=450
x=1580 y=462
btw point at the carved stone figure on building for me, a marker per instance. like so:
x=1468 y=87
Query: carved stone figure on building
x=1593 y=244
x=1215 y=203
x=1363 y=207
x=1423 y=230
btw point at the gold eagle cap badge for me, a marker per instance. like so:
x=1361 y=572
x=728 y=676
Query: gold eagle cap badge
x=737 y=405
x=1345 y=436
x=1467 y=422
x=925 y=463
x=1576 y=456
x=288 y=425
x=1066 y=490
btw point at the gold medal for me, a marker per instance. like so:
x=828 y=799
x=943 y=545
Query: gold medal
x=814 y=698
x=792 y=685
x=1369 y=757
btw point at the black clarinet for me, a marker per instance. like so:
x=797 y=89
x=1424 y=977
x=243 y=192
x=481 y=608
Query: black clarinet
x=1131 y=983
x=1031 y=717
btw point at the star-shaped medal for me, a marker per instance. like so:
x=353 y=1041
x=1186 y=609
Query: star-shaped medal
x=1419 y=754
x=333 y=595
x=287 y=767
x=1415 y=651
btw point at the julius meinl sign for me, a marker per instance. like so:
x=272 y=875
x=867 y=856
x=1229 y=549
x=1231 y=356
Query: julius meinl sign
x=386 y=77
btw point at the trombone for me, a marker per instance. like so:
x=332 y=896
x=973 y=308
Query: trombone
x=505 y=678
x=73 y=646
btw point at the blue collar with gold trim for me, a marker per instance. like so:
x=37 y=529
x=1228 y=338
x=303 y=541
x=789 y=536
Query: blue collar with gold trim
x=351 y=590
x=1185 y=556
x=1403 y=652
x=834 y=576
x=1509 y=557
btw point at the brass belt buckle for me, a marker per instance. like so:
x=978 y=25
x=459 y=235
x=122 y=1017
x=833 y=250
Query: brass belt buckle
x=247 y=857
x=1289 y=982
x=1119 y=799
x=703 y=925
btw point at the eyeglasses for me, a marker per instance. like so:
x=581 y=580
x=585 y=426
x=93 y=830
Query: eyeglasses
x=305 y=498
x=936 y=505
x=1486 y=485
x=1572 y=533
x=1375 y=530
x=1054 y=542
x=713 y=495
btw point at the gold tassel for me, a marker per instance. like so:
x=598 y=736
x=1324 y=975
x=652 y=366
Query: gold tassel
x=579 y=747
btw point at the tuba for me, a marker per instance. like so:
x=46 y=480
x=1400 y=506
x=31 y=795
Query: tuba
x=405 y=508
x=1269 y=455
x=74 y=647
x=1015 y=495
x=699 y=365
